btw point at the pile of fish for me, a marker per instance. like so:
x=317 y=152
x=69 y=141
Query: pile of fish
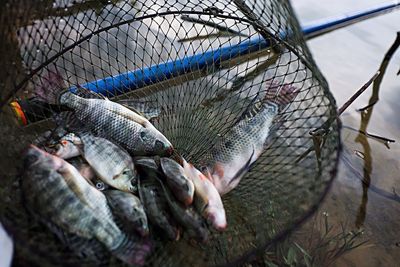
x=106 y=180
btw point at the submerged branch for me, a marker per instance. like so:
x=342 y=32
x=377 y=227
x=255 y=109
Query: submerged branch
x=358 y=93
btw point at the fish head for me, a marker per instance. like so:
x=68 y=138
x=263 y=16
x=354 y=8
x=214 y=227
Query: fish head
x=154 y=143
x=34 y=156
x=68 y=146
x=66 y=149
x=216 y=217
x=282 y=95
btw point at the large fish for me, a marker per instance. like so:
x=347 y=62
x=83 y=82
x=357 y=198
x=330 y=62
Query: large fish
x=55 y=191
x=112 y=164
x=118 y=123
x=129 y=209
x=176 y=178
x=239 y=148
x=207 y=198
x=108 y=119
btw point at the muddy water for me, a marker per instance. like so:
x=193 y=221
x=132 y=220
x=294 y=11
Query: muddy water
x=364 y=193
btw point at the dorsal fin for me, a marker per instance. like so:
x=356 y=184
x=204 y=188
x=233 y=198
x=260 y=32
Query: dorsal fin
x=86 y=93
x=144 y=108
x=252 y=110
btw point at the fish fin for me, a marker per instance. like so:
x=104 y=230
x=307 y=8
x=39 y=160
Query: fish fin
x=282 y=95
x=144 y=108
x=252 y=109
x=135 y=116
x=219 y=170
x=244 y=169
x=86 y=93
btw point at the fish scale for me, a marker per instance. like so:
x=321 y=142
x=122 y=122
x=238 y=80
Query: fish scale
x=56 y=192
x=232 y=155
x=119 y=124
x=113 y=165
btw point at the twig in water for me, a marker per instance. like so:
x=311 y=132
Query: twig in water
x=358 y=93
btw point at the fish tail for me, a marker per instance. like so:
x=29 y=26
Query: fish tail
x=133 y=251
x=280 y=94
x=51 y=87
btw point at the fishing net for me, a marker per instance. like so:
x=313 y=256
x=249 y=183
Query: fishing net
x=202 y=63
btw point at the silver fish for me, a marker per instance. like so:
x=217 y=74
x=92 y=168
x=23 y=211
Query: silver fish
x=129 y=209
x=119 y=124
x=181 y=186
x=68 y=146
x=234 y=153
x=54 y=189
x=112 y=164
x=207 y=199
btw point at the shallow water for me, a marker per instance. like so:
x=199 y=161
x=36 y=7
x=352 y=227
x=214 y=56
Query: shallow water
x=364 y=193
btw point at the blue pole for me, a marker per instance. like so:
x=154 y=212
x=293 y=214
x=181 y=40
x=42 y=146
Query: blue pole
x=132 y=80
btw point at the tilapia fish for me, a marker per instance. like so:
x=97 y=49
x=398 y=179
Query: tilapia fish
x=119 y=124
x=112 y=164
x=207 y=199
x=186 y=216
x=129 y=209
x=55 y=191
x=154 y=200
x=176 y=178
x=232 y=156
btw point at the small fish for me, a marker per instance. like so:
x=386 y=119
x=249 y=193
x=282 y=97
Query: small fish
x=234 y=153
x=154 y=200
x=56 y=192
x=186 y=216
x=176 y=178
x=112 y=164
x=207 y=197
x=129 y=209
x=68 y=146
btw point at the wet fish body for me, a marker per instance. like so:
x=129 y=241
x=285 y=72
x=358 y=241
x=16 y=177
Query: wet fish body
x=112 y=164
x=186 y=216
x=207 y=198
x=176 y=178
x=84 y=168
x=119 y=124
x=55 y=191
x=129 y=209
x=242 y=145
x=154 y=200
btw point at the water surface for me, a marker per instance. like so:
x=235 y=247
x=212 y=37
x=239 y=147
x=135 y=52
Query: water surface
x=364 y=193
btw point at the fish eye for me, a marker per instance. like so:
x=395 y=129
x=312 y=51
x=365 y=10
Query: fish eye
x=142 y=135
x=100 y=186
x=159 y=145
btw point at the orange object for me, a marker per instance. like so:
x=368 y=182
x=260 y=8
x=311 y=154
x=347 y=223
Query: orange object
x=19 y=112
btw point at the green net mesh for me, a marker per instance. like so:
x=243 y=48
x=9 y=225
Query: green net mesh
x=85 y=41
